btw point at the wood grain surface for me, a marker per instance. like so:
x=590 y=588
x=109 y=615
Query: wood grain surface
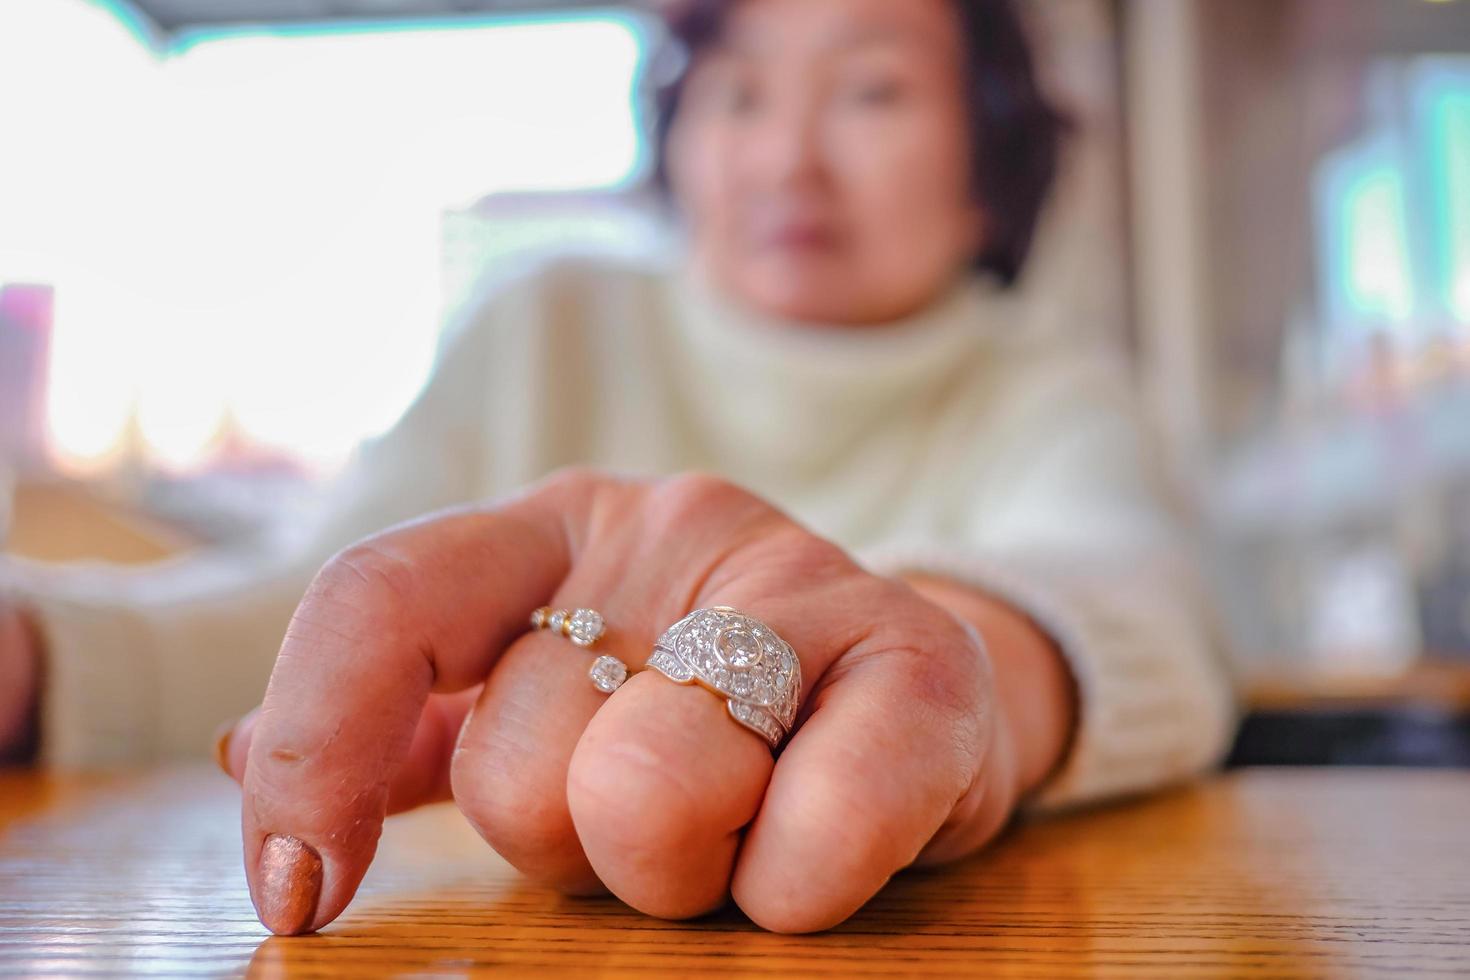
x=1280 y=873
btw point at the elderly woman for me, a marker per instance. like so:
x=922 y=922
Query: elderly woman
x=891 y=560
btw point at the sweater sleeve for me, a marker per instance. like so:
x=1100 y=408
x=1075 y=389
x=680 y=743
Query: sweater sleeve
x=142 y=665
x=1077 y=535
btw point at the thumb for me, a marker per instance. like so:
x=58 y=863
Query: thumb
x=426 y=607
x=422 y=777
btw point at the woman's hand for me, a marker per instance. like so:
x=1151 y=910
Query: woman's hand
x=902 y=752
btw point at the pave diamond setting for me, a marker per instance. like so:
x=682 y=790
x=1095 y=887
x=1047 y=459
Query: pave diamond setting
x=741 y=658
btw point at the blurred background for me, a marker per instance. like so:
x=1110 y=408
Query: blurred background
x=231 y=229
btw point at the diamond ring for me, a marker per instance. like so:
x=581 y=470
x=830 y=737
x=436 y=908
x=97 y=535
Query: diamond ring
x=740 y=658
x=584 y=627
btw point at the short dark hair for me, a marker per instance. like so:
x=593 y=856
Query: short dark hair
x=1015 y=133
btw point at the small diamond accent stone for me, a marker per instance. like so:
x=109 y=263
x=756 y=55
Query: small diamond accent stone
x=557 y=619
x=584 y=627
x=608 y=674
x=671 y=665
x=759 y=721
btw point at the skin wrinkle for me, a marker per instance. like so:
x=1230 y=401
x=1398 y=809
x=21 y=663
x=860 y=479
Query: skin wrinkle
x=381 y=571
x=434 y=783
x=701 y=585
x=861 y=632
x=961 y=814
x=522 y=818
x=532 y=836
x=644 y=761
x=656 y=530
x=303 y=626
x=817 y=689
x=985 y=812
x=370 y=776
x=599 y=522
x=513 y=736
x=363 y=832
x=848 y=829
x=573 y=493
x=969 y=749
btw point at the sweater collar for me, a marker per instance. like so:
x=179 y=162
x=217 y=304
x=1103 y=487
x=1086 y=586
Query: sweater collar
x=771 y=394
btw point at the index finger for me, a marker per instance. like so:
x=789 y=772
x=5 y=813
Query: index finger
x=425 y=606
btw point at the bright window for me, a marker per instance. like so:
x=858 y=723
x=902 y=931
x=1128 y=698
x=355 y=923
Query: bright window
x=243 y=229
x=1393 y=212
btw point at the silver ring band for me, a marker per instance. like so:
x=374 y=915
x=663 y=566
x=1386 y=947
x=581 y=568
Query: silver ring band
x=740 y=658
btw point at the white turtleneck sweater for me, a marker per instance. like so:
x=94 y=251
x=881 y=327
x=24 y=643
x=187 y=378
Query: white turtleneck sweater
x=964 y=441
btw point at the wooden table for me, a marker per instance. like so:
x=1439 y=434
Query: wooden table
x=1428 y=685
x=1281 y=873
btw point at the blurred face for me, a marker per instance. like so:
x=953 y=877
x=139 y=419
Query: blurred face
x=821 y=158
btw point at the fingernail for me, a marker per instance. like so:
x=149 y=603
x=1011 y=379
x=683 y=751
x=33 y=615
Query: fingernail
x=222 y=736
x=290 y=885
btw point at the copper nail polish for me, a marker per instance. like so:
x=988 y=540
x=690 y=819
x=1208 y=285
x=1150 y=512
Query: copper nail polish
x=222 y=736
x=290 y=885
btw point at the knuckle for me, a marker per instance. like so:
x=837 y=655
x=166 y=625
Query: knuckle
x=739 y=519
x=592 y=496
x=525 y=822
x=360 y=592
x=578 y=476
x=859 y=841
x=577 y=483
x=366 y=577
x=636 y=800
x=945 y=679
x=945 y=687
x=697 y=494
x=790 y=561
x=805 y=557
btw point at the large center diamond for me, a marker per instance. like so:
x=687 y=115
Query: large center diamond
x=738 y=647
